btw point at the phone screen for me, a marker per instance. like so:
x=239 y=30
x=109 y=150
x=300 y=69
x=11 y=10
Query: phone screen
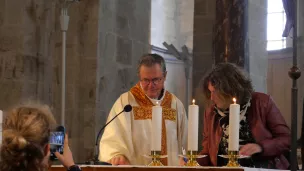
x=57 y=141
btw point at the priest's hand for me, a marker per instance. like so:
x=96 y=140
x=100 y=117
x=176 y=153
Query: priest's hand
x=119 y=160
x=250 y=149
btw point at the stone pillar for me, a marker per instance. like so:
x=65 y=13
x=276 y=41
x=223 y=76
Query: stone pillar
x=204 y=19
x=123 y=37
x=81 y=79
x=240 y=37
x=230 y=39
x=257 y=44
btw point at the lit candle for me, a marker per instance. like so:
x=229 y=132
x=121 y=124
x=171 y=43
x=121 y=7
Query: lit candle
x=234 y=124
x=193 y=127
x=156 y=127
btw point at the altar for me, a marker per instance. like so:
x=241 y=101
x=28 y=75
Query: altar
x=156 y=168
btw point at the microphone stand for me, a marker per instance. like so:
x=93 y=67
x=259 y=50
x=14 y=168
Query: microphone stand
x=95 y=160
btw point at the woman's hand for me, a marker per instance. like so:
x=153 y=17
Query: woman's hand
x=250 y=149
x=66 y=158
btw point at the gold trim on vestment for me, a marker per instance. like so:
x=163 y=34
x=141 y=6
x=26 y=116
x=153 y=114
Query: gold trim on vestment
x=141 y=113
x=144 y=111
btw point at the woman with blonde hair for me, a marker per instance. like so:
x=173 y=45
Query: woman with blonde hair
x=25 y=141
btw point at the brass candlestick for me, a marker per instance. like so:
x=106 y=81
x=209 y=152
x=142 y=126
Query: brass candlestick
x=156 y=156
x=191 y=158
x=233 y=159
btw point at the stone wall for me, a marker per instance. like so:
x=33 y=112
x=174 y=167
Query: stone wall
x=279 y=63
x=124 y=36
x=176 y=78
x=257 y=42
x=31 y=63
x=172 y=22
x=26 y=35
x=82 y=48
x=104 y=41
x=203 y=60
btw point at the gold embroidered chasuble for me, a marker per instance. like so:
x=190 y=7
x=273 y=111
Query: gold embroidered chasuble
x=144 y=111
x=130 y=133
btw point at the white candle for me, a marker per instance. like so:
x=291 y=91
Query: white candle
x=234 y=126
x=193 y=127
x=156 y=127
x=1 y=120
x=1 y=116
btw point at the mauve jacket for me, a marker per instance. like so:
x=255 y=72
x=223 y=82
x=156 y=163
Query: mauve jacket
x=268 y=128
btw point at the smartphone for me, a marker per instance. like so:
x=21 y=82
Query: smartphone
x=57 y=141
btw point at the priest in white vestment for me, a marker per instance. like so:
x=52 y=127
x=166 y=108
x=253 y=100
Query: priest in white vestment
x=128 y=138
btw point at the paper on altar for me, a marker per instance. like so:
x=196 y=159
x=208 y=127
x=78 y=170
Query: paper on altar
x=258 y=169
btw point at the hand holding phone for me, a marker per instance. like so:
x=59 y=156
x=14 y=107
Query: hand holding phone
x=66 y=158
x=57 y=141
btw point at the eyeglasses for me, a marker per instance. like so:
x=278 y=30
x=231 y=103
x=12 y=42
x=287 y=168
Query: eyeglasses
x=155 y=81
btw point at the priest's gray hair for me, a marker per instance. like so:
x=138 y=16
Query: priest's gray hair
x=150 y=60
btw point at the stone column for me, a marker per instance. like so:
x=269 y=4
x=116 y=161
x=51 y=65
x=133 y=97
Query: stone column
x=240 y=37
x=204 y=19
x=123 y=37
x=257 y=43
x=230 y=32
x=82 y=56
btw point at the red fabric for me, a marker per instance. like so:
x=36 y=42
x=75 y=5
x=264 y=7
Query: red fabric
x=268 y=128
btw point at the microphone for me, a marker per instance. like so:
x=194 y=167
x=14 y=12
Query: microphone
x=127 y=108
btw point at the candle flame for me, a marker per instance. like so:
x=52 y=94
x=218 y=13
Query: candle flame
x=157 y=103
x=193 y=101
x=234 y=100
